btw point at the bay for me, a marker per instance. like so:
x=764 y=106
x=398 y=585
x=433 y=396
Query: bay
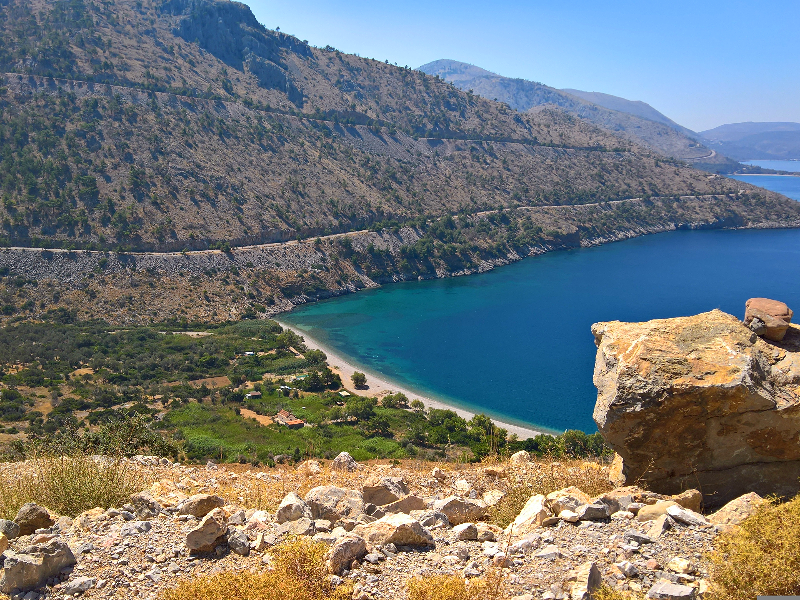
x=516 y=342
x=779 y=165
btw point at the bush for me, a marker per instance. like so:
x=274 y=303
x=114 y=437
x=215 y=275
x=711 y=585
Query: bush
x=759 y=558
x=69 y=485
x=453 y=587
x=299 y=573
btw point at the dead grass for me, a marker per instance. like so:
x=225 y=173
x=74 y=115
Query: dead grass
x=299 y=573
x=759 y=558
x=544 y=475
x=69 y=485
x=609 y=593
x=491 y=586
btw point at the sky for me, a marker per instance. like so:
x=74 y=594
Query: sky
x=703 y=63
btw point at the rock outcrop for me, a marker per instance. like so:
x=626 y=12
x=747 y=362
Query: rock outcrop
x=702 y=402
x=768 y=318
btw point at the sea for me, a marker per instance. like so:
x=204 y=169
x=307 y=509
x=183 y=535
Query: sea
x=516 y=344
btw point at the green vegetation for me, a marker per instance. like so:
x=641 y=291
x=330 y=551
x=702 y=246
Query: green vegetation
x=179 y=389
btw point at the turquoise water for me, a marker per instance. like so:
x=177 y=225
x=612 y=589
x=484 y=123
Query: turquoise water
x=787 y=185
x=778 y=165
x=516 y=342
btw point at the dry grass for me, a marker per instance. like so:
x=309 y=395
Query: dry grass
x=609 y=593
x=299 y=573
x=69 y=485
x=545 y=475
x=761 y=557
x=491 y=586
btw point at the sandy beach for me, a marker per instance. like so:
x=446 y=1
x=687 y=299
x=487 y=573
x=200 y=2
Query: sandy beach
x=378 y=386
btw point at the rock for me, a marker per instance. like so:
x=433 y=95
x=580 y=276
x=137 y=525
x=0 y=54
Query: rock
x=460 y=510
x=660 y=526
x=399 y=529
x=487 y=532
x=334 y=503
x=494 y=471
x=309 y=467
x=433 y=519
x=550 y=552
x=584 y=581
x=706 y=381
x=209 y=533
x=568 y=516
x=31 y=517
x=633 y=535
x=465 y=532
x=520 y=458
x=438 y=474
x=569 y=498
x=627 y=569
x=4 y=542
x=384 y=490
x=532 y=516
x=344 y=462
x=462 y=487
x=686 y=516
x=145 y=506
x=767 y=318
x=344 y=551
x=78 y=585
x=32 y=568
x=134 y=528
x=493 y=497
x=736 y=511
x=405 y=505
x=292 y=508
x=304 y=526
x=238 y=542
x=622 y=515
x=651 y=512
x=200 y=505
x=9 y=528
x=666 y=590
x=593 y=512
x=680 y=565
x=691 y=499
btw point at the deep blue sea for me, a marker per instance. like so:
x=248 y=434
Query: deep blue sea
x=778 y=165
x=515 y=342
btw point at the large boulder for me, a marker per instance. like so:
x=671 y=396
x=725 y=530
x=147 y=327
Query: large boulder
x=209 y=533
x=569 y=498
x=333 y=503
x=532 y=516
x=399 y=529
x=737 y=510
x=344 y=462
x=460 y=510
x=700 y=402
x=292 y=508
x=9 y=528
x=31 y=517
x=344 y=551
x=767 y=318
x=200 y=505
x=31 y=567
x=384 y=490
x=145 y=506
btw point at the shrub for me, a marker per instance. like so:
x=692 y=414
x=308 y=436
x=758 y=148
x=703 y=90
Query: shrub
x=299 y=573
x=453 y=587
x=759 y=558
x=69 y=485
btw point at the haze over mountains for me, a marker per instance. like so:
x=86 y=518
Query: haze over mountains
x=746 y=141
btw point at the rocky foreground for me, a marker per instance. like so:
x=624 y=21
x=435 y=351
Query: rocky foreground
x=383 y=524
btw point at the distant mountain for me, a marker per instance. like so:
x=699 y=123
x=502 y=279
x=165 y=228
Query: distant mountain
x=746 y=141
x=633 y=107
x=522 y=95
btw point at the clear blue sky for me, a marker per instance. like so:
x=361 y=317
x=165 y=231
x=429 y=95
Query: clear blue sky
x=703 y=63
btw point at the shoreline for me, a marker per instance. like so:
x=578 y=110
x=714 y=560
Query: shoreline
x=378 y=385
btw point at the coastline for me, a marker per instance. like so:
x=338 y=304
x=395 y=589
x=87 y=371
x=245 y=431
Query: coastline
x=380 y=386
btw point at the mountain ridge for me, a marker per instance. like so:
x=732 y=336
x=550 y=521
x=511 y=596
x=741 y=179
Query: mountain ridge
x=756 y=140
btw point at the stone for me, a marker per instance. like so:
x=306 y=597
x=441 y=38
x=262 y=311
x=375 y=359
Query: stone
x=200 y=505
x=32 y=568
x=488 y=532
x=584 y=581
x=495 y=471
x=134 y=528
x=550 y=552
x=9 y=528
x=145 y=506
x=593 y=512
x=737 y=510
x=309 y=467
x=238 y=542
x=520 y=458
x=666 y=590
x=533 y=514
x=398 y=529
x=633 y=535
x=384 y=490
x=79 y=585
x=292 y=508
x=3 y=543
x=622 y=515
x=660 y=526
x=691 y=499
x=493 y=497
x=680 y=565
x=344 y=462
x=31 y=517
x=334 y=503
x=650 y=512
x=304 y=526
x=686 y=516
x=460 y=510
x=405 y=505
x=465 y=532
x=568 y=516
x=209 y=533
x=434 y=519
x=438 y=474
x=344 y=551
x=767 y=318
x=627 y=569
x=700 y=401
x=569 y=498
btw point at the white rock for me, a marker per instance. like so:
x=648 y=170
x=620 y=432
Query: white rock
x=686 y=516
x=520 y=458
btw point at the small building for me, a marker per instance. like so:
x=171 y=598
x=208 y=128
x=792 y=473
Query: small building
x=253 y=394
x=286 y=418
x=344 y=393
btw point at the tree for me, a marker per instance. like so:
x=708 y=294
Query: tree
x=359 y=380
x=418 y=405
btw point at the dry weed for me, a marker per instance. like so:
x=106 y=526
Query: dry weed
x=491 y=586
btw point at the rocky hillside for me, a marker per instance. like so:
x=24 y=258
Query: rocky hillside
x=170 y=125
x=607 y=112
